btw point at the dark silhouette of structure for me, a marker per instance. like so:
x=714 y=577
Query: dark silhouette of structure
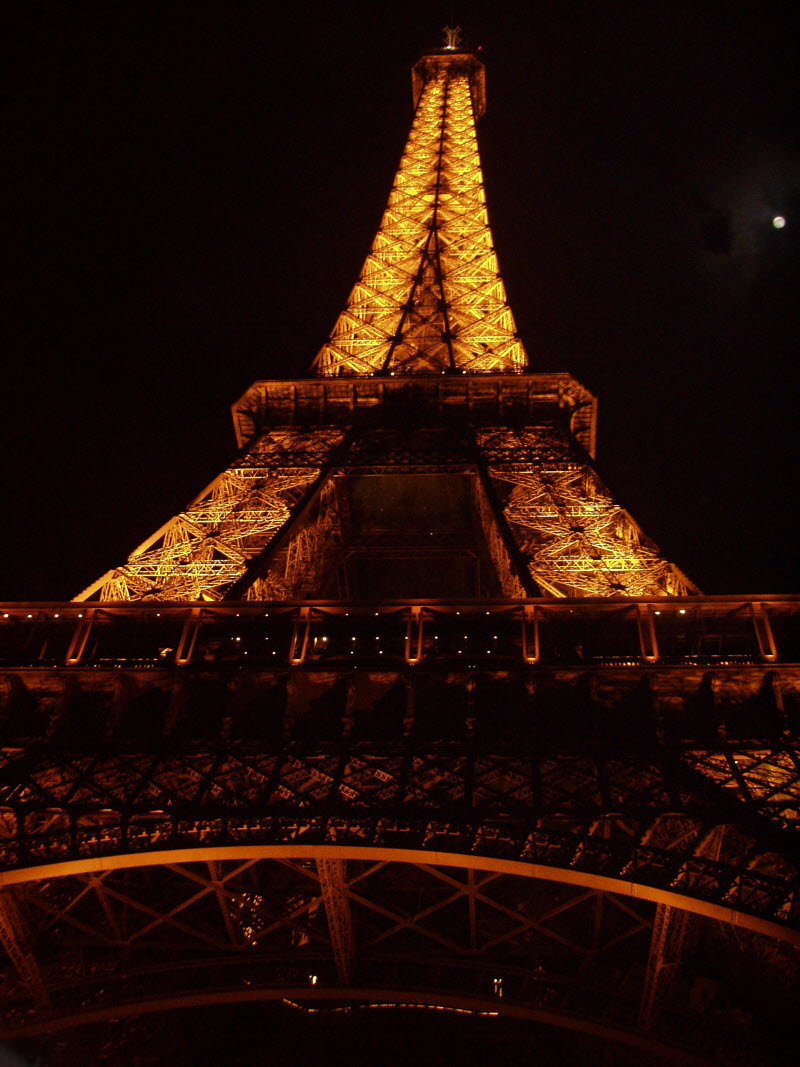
x=404 y=708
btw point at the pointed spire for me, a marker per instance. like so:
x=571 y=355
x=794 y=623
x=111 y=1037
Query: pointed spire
x=429 y=299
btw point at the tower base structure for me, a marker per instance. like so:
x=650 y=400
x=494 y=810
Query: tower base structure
x=581 y=812
x=447 y=486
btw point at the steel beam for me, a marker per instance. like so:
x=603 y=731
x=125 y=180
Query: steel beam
x=215 y=872
x=15 y=941
x=666 y=948
x=337 y=910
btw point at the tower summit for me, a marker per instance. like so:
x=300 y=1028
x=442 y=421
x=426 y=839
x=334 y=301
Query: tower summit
x=429 y=298
x=425 y=460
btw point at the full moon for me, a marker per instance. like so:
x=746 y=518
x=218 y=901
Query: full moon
x=779 y=222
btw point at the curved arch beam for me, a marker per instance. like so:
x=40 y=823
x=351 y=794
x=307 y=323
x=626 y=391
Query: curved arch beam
x=542 y=872
x=383 y=997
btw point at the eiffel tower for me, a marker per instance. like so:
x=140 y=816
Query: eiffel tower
x=404 y=708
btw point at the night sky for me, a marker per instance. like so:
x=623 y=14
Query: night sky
x=193 y=193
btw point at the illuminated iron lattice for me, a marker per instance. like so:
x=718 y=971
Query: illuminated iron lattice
x=429 y=298
x=576 y=540
x=429 y=302
x=200 y=553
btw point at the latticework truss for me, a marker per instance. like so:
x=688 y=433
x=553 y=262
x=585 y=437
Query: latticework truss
x=313 y=553
x=429 y=299
x=574 y=537
x=201 y=552
x=429 y=302
x=550 y=525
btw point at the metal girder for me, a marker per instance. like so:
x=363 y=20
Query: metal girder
x=452 y=936
x=666 y=948
x=618 y=817
x=308 y=550
x=514 y=576
x=214 y=870
x=479 y=400
x=337 y=910
x=14 y=939
x=672 y=925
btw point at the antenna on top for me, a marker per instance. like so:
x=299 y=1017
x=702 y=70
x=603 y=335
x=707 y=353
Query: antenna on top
x=452 y=36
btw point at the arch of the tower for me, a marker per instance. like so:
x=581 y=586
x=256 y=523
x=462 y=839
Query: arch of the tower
x=323 y=924
x=690 y=894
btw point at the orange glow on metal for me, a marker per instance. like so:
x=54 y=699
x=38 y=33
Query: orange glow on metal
x=201 y=552
x=429 y=302
x=726 y=913
x=429 y=298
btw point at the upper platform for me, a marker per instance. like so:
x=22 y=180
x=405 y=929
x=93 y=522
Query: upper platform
x=528 y=398
x=448 y=62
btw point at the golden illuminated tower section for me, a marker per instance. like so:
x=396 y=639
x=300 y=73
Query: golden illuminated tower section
x=424 y=460
x=429 y=299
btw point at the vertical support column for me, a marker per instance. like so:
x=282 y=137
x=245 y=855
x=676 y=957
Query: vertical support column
x=188 y=637
x=80 y=637
x=302 y=625
x=215 y=874
x=670 y=928
x=766 y=642
x=647 y=633
x=666 y=948
x=530 y=634
x=414 y=635
x=14 y=940
x=337 y=911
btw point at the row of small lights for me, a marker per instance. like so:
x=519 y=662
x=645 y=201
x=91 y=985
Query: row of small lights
x=312 y=980
x=55 y=616
x=681 y=611
x=324 y=639
x=392 y=374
